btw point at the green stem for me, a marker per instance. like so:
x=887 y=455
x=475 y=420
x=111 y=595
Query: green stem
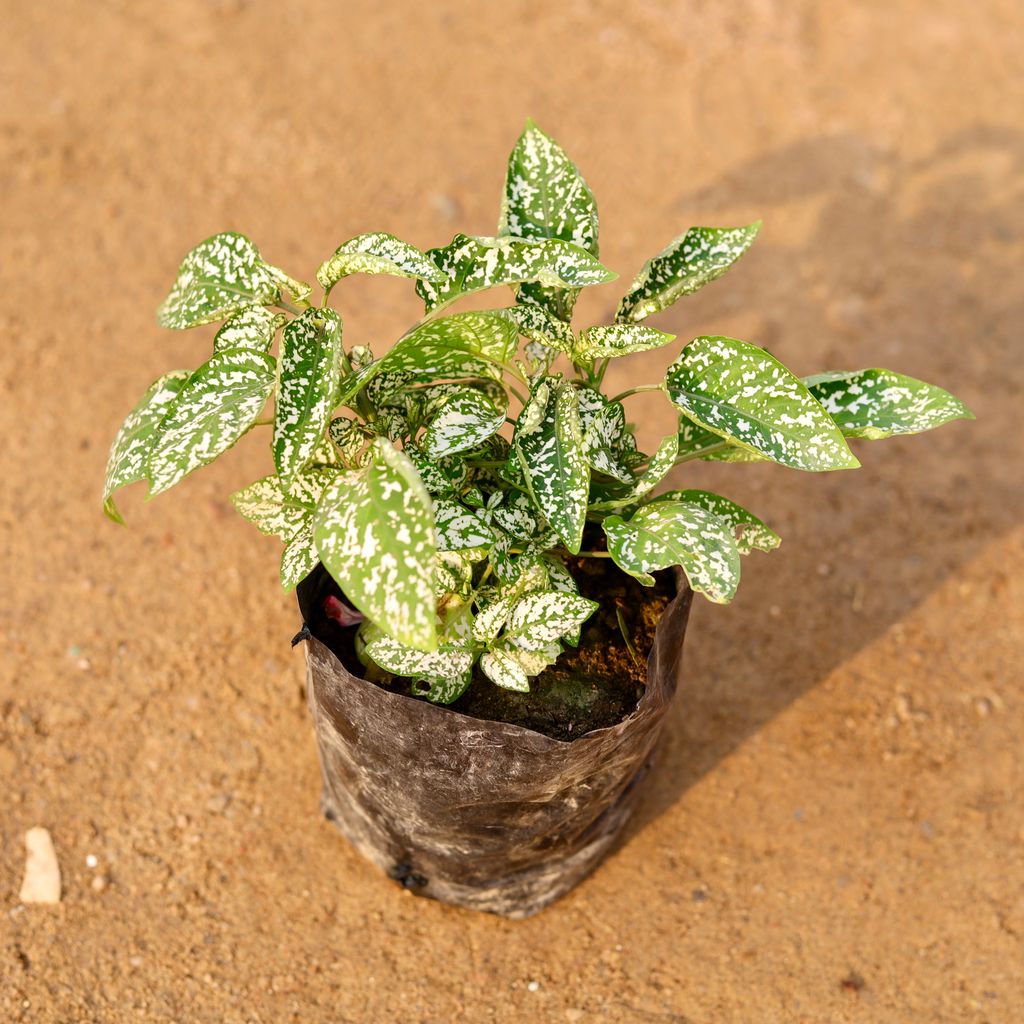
x=636 y=391
x=288 y=307
x=690 y=456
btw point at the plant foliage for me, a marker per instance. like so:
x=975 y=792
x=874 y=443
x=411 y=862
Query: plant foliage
x=447 y=484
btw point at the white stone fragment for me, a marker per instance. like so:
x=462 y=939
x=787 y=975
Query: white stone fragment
x=42 y=872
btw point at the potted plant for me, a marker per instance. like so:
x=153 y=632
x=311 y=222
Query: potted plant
x=493 y=591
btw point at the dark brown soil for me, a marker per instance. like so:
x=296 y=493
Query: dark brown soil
x=592 y=686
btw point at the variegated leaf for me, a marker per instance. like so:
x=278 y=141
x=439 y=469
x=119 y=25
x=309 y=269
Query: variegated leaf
x=253 y=328
x=272 y=510
x=542 y=618
x=377 y=253
x=503 y=670
x=449 y=660
x=604 y=428
x=549 y=445
x=214 y=408
x=531 y=662
x=299 y=557
x=465 y=420
x=439 y=476
x=546 y=197
x=877 y=403
x=447 y=691
x=618 y=340
x=687 y=263
x=308 y=389
x=661 y=462
x=491 y=619
x=349 y=439
x=453 y=575
x=459 y=528
x=750 y=532
x=667 y=533
x=537 y=324
x=219 y=277
x=471 y=264
x=516 y=516
x=745 y=395
x=374 y=531
x=560 y=579
x=300 y=291
x=129 y=453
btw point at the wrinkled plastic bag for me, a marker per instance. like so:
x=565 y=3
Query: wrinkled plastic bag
x=481 y=814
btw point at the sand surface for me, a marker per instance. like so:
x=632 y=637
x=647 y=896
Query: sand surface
x=835 y=830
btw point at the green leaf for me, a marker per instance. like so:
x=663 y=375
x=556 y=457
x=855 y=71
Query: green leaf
x=308 y=389
x=618 y=340
x=667 y=533
x=661 y=463
x=745 y=395
x=254 y=327
x=542 y=618
x=219 y=277
x=549 y=445
x=750 y=532
x=686 y=264
x=448 y=668
x=272 y=510
x=129 y=453
x=459 y=528
x=877 y=403
x=538 y=325
x=503 y=670
x=374 y=531
x=215 y=407
x=471 y=264
x=465 y=420
x=299 y=557
x=546 y=197
x=377 y=253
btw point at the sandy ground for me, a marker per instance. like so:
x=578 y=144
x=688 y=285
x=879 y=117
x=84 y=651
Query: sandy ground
x=835 y=831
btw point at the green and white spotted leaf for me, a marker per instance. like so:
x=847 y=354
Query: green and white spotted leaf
x=516 y=516
x=750 y=532
x=275 y=511
x=560 y=579
x=542 y=618
x=538 y=325
x=604 y=427
x=491 y=619
x=299 y=557
x=504 y=670
x=308 y=389
x=745 y=395
x=667 y=533
x=219 y=277
x=471 y=264
x=441 y=476
x=129 y=454
x=531 y=662
x=465 y=420
x=254 y=328
x=686 y=264
x=661 y=463
x=374 y=532
x=549 y=445
x=547 y=197
x=453 y=575
x=446 y=691
x=459 y=528
x=348 y=438
x=298 y=290
x=618 y=340
x=876 y=403
x=214 y=408
x=377 y=253
x=448 y=661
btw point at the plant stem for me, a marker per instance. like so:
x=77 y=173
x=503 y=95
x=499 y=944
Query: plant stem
x=690 y=456
x=288 y=307
x=636 y=391
x=592 y=554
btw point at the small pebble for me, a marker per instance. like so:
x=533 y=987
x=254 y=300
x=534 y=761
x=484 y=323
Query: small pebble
x=218 y=803
x=99 y=883
x=42 y=872
x=91 y=861
x=533 y=986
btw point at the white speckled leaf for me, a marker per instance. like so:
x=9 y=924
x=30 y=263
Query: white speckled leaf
x=491 y=619
x=465 y=420
x=750 y=532
x=308 y=389
x=546 y=197
x=549 y=445
x=129 y=453
x=348 y=439
x=540 y=326
x=661 y=462
x=453 y=575
x=875 y=403
x=668 y=533
x=516 y=516
x=687 y=263
x=604 y=427
x=253 y=328
x=377 y=253
x=542 y=618
x=503 y=670
x=450 y=662
x=298 y=290
x=215 y=407
x=273 y=510
x=220 y=276
x=618 y=340
x=471 y=264
x=459 y=528
x=374 y=531
x=299 y=557
x=531 y=662
x=744 y=394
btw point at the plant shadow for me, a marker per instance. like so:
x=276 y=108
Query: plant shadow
x=903 y=263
